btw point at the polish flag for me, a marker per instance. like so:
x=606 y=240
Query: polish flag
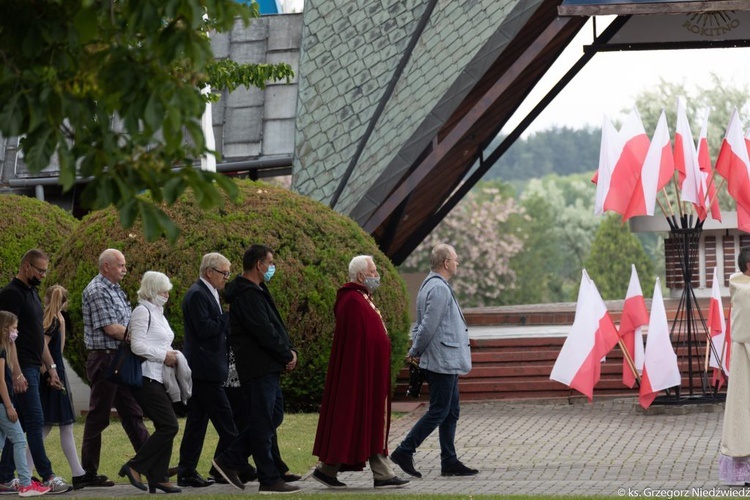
x=686 y=160
x=704 y=163
x=733 y=164
x=634 y=317
x=627 y=171
x=717 y=328
x=609 y=151
x=657 y=171
x=591 y=337
x=660 y=370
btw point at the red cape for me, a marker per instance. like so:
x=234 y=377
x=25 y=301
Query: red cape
x=356 y=411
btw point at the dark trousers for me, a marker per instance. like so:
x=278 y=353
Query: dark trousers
x=266 y=405
x=443 y=413
x=208 y=402
x=29 y=407
x=104 y=396
x=241 y=414
x=152 y=459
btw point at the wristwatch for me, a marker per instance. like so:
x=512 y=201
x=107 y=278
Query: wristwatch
x=53 y=366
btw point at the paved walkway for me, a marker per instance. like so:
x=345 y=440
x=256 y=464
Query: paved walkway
x=525 y=448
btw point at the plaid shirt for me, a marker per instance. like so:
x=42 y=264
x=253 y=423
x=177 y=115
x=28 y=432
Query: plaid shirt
x=104 y=303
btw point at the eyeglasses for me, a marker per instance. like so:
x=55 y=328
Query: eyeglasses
x=43 y=272
x=226 y=274
x=455 y=260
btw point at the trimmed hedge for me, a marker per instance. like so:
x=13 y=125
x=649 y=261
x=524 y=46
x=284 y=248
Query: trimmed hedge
x=313 y=246
x=27 y=223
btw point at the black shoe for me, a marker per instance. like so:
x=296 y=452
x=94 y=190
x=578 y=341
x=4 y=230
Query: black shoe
x=394 y=482
x=193 y=480
x=215 y=475
x=126 y=470
x=329 y=481
x=290 y=478
x=165 y=487
x=278 y=487
x=173 y=470
x=90 y=480
x=228 y=474
x=249 y=474
x=458 y=469
x=406 y=462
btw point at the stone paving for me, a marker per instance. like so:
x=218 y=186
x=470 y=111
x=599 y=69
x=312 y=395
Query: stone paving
x=525 y=448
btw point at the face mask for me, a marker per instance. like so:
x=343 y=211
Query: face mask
x=372 y=283
x=34 y=282
x=160 y=301
x=13 y=334
x=269 y=274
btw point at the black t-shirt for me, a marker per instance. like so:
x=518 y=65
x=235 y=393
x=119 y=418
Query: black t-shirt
x=23 y=301
x=8 y=374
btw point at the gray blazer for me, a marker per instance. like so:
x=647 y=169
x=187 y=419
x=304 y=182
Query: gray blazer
x=440 y=336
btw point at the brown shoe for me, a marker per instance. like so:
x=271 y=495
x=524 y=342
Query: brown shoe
x=278 y=487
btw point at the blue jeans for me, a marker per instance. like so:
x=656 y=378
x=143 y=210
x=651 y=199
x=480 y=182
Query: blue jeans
x=29 y=408
x=14 y=433
x=266 y=405
x=443 y=413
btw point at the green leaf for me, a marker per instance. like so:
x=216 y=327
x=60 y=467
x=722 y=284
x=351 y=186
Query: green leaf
x=67 y=167
x=11 y=116
x=86 y=23
x=128 y=212
x=173 y=188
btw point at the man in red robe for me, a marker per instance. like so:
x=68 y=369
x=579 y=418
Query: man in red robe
x=356 y=411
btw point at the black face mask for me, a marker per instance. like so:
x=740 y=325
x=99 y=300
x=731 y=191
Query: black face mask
x=34 y=282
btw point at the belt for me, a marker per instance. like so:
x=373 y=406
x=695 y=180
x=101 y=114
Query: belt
x=105 y=351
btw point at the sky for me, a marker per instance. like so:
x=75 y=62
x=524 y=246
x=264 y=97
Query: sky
x=608 y=85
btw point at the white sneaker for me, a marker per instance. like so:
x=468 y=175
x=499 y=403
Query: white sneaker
x=33 y=490
x=57 y=485
x=11 y=486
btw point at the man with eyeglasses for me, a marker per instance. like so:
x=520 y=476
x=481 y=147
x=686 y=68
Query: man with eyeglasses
x=206 y=348
x=440 y=344
x=21 y=298
x=106 y=314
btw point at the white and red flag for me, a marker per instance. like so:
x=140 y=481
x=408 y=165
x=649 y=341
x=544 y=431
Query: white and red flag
x=660 y=369
x=704 y=163
x=657 y=171
x=634 y=317
x=626 y=173
x=591 y=337
x=609 y=150
x=733 y=164
x=691 y=182
x=717 y=328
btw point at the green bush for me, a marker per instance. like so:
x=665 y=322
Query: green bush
x=313 y=246
x=27 y=223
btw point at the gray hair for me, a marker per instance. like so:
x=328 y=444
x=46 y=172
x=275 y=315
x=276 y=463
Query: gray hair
x=109 y=255
x=212 y=260
x=440 y=254
x=359 y=264
x=152 y=284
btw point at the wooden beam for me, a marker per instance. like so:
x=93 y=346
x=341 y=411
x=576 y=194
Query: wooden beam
x=426 y=166
x=626 y=9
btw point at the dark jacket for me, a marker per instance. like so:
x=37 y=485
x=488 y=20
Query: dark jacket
x=259 y=338
x=23 y=301
x=206 y=337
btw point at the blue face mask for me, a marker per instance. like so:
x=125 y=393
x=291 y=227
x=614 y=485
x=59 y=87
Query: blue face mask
x=269 y=274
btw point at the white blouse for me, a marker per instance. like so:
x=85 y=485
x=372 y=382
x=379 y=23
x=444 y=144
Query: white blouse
x=150 y=342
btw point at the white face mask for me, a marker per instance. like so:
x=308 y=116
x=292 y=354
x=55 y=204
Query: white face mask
x=160 y=300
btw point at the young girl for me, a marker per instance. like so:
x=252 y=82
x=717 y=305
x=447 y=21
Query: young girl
x=9 y=425
x=56 y=401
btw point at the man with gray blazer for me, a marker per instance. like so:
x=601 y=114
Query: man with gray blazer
x=440 y=343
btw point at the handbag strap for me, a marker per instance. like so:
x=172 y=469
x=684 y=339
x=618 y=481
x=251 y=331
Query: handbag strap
x=126 y=337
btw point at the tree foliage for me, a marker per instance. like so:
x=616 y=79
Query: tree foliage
x=613 y=251
x=479 y=229
x=313 y=246
x=113 y=91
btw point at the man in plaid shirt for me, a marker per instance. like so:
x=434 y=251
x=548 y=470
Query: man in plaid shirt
x=106 y=313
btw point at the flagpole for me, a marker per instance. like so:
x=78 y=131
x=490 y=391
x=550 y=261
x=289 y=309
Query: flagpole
x=716 y=193
x=626 y=354
x=677 y=193
x=669 y=203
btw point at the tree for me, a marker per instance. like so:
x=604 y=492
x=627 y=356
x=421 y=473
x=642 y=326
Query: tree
x=113 y=91
x=614 y=249
x=479 y=230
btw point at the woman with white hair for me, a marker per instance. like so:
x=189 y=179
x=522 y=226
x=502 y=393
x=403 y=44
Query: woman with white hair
x=151 y=338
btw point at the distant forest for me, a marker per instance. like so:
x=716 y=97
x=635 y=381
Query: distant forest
x=560 y=151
